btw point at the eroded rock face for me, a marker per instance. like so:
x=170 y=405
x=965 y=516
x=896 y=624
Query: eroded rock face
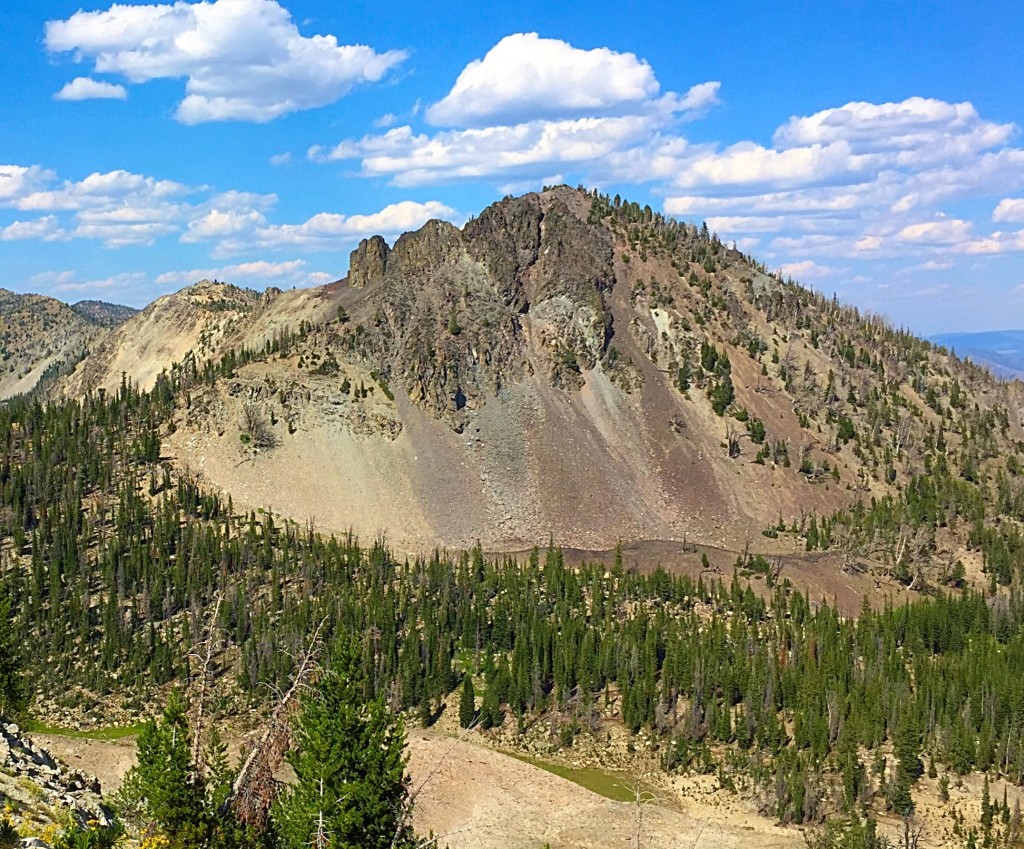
x=28 y=774
x=452 y=313
x=368 y=262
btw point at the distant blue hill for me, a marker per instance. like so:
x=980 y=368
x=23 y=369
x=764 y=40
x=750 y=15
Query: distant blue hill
x=1000 y=351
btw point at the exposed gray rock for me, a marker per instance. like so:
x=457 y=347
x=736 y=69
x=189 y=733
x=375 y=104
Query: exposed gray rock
x=58 y=784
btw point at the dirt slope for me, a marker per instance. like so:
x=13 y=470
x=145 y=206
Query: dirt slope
x=191 y=323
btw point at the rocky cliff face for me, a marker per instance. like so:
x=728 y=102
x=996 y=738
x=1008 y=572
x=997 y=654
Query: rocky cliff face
x=450 y=313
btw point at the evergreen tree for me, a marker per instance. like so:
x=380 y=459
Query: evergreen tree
x=351 y=789
x=467 y=702
x=171 y=794
x=13 y=691
x=907 y=748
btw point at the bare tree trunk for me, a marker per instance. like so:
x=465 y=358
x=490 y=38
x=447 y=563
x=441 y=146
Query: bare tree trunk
x=252 y=790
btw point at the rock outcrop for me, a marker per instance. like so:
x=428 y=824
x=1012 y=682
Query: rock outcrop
x=30 y=775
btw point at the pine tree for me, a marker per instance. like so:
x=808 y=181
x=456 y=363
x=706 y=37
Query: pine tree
x=351 y=789
x=467 y=702
x=13 y=692
x=173 y=798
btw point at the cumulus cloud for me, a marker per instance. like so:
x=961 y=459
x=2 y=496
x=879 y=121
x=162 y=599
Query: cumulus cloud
x=532 y=106
x=120 y=208
x=125 y=286
x=46 y=229
x=242 y=60
x=747 y=164
x=120 y=188
x=218 y=224
x=328 y=231
x=995 y=243
x=16 y=181
x=537 y=147
x=918 y=125
x=86 y=88
x=807 y=270
x=525 y=77
x=1010 y=211
x=126 y=281
x=943 y=232
x=117 y=208
x=49 y=279
x=258 y=273
x=870 y=180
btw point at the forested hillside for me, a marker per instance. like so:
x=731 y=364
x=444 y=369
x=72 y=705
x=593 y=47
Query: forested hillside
x=113 y=564
x=117 y=560
x=39 y=338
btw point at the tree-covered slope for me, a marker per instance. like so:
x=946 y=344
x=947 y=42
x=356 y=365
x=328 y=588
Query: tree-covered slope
x=39 y=337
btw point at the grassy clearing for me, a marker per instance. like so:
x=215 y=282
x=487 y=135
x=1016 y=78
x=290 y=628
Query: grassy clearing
x=113 y=732
x=611 y=785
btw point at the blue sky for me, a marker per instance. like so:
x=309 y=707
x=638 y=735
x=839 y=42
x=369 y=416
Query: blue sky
x=873 y=150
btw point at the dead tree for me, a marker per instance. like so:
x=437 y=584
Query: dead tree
x=255 y=424
x=253 y=789
x=732 y=439
x=206 y=658
x=912 y=831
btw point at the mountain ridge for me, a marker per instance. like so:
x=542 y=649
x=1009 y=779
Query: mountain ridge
x=565 y=364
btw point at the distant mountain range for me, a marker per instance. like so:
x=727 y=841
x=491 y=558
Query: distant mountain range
x=1000 y=351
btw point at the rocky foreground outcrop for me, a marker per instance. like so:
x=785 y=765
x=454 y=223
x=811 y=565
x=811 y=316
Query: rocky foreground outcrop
x=32 y=779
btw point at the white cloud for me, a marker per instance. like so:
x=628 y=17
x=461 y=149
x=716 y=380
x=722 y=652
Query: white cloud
x=328 y=231
x=120 y=209
x=51 y=278
x=46 y=229
x=747 y=164
x=525 y=77
x=807 y=270
x=217 y=224
x=241 y=59
x=996 y=243
x=123 y=282
x=868 y=243
x=97 y=190
x=86 y=88
x=280 y=159
x=1010 y=211
x=869 y=179
x=260 y=272
x=532 y=106
x=16 y=181
x=538 y=147
x=921 y=126
x=942 y=232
